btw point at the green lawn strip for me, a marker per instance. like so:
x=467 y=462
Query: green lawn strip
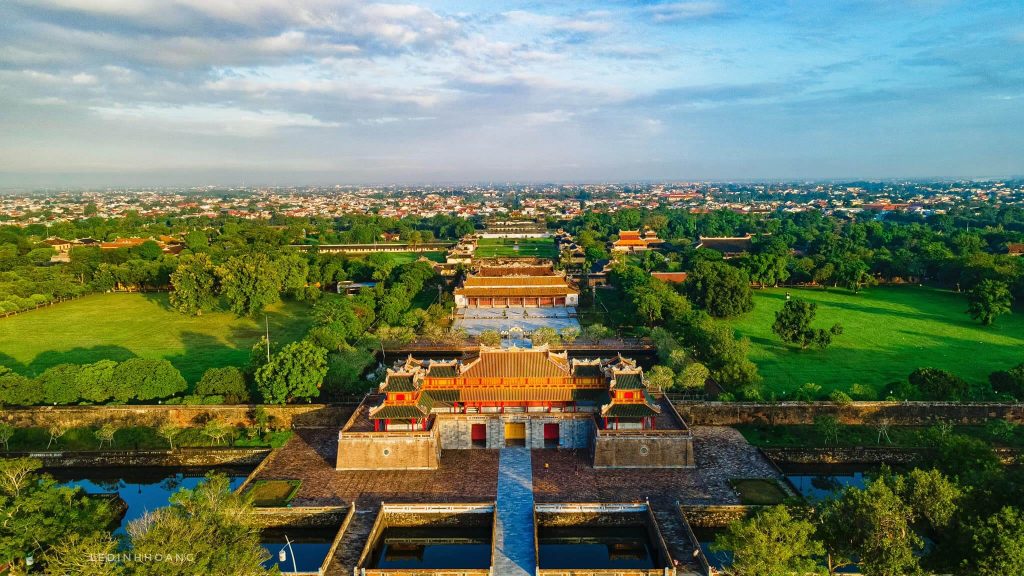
x=809 y=436
x=758 y=491
x=80 y=439
x=888 y=333
x=400 y=258
x=273 y=493
x=506 y=247
x=122 y=326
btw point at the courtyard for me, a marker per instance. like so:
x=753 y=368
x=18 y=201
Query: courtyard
x=502 y=320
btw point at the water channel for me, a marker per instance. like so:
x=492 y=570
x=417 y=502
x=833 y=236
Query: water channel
x=147 y=489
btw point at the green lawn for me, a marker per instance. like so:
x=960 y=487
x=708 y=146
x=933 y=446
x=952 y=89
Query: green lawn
x=505 y=247
x=889 y=332
x=400 y=258
x=120 y=326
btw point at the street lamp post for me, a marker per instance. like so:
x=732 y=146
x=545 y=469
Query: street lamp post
x=283 y=556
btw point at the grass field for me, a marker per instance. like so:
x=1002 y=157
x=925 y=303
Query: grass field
x=888 y=333
x=505 y=247
x=405 y=257
x=121 y=326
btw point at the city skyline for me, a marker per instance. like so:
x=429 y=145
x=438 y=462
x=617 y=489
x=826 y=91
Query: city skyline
x=322 y=92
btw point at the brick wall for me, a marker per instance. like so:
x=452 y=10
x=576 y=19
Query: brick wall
x=298 y=416
x=389 y=451
x=897 y=413
x=643 y=451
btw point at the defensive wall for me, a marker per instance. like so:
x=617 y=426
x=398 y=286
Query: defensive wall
x=199 y=457
x=894 y=413
x=291 y=416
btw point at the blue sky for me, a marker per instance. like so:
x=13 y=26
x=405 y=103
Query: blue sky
x=193 y=92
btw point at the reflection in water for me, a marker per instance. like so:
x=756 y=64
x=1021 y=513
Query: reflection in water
x=595 y=547
x=142 y=489
x=819 y=482
x=307 y=552
x=433 y=548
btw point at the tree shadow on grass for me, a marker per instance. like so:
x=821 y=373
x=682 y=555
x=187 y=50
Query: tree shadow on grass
x=9 y=361
x=77 y=356
x=202 y=352
x=158 y=298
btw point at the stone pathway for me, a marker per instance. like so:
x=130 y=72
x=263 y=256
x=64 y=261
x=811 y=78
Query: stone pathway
x=513 y=531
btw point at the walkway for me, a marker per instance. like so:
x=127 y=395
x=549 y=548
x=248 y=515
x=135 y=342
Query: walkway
x=513 y=532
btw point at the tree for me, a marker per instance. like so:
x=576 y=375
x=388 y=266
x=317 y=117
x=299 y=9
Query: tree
x=216 y=430
x=210 y=525
x=83 y=555
x=6 y=433
x=1009 y=381
x=872 y=525
x=828 y=428
x=250 y=283
x=490 y=338
x=56 y=430
x=660 y=378
x=936 y=384
x=193 y=281
x=297 y=371
x=694 y=375
x=150 y=379
x=228 y=382
x=988 y=300
x=168 y=431
x=544 y=335
x=37 y=513
x=569 y=334
x=793 y=325
x=106 y=433
x=997 y=544
x=772 y=543
x=720 y=289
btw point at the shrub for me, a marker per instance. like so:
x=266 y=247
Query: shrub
x=490 y=338
x=862 y=392
x=935 y=384
x=228 y=382
x=1009 y=381
x=841 y=398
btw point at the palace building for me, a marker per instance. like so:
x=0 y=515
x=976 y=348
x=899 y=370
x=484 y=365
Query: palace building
x=635 y=241
x=531 y=397
x=503 y=284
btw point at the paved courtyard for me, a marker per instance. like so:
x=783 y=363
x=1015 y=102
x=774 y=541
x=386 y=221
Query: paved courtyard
x=477 y=320
x=558 y=475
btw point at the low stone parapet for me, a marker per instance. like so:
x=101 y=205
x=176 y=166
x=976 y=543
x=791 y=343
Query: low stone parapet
x=182 y=457
x=894 y=413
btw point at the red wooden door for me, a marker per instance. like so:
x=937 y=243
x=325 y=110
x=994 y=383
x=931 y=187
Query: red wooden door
x=551 y=431
x=478 y=432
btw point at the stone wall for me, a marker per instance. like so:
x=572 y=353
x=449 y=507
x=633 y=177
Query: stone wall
x=132 y=458
x=389 y=451
x=612 y=450
x=896 y=413
x=714 y=516
x=293 y=416
x=868 y=455
x=300 y=517
x=574 y=430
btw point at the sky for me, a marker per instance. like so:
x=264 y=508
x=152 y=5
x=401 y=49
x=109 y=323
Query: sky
x=301 y=92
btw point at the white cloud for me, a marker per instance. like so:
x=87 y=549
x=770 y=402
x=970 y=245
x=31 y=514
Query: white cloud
x=212 y=120
x=83 y=79
x=678 y=11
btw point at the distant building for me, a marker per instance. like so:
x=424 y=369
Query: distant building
x=60 y=245
x=1015 y=249
x=635 y=241
x=729 y=247
x=515 y=229
x=501 y=284
x=673 y=277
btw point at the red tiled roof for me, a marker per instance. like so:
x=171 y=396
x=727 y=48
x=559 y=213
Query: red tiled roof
x=517 y=363
x=507 y=281
x=540 y=291
x=669 y=276
x=1017 y=248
